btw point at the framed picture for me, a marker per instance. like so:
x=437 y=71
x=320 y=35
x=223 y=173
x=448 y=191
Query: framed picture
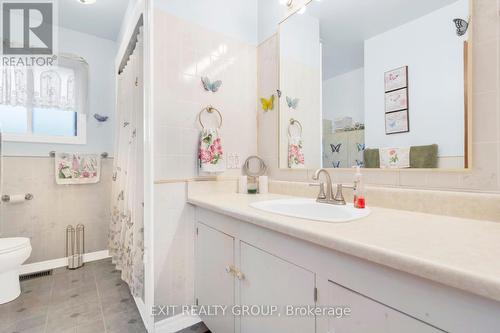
x=397 y=122
x=396 y=100
x=396 y=79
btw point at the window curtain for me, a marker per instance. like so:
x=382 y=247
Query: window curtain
x=62 y=87
x=126 y=236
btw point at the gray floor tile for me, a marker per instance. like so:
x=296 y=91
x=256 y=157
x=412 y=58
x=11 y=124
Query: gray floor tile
x=92 y=299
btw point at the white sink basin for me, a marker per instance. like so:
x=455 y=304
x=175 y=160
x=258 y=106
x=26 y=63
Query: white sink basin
x=311 y=210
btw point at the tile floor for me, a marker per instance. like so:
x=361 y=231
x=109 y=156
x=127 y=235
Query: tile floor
x=91 y=299
x=198 y=328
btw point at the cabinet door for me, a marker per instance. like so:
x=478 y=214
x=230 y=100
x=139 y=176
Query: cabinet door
x=214 y=285
x=368 y=315
x=269 y=280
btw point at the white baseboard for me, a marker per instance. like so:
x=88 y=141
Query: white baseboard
x=60 y=262
x=176 y=323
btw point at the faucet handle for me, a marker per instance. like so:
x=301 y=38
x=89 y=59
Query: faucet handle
x=322 y=194
x=339 y=196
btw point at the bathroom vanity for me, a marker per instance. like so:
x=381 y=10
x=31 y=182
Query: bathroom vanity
x=392 y=271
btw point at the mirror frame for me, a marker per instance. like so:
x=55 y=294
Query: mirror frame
x=468 y=56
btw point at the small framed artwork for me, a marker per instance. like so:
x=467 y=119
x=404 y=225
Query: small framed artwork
x=396 y=79
x=397 y=122
x=396 y=100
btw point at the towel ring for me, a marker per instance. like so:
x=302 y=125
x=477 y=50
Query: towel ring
x=292 y=123
x=210 y=109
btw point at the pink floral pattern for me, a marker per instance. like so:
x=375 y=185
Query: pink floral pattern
x=210 y=153
x=77 y=168
x=295 y=153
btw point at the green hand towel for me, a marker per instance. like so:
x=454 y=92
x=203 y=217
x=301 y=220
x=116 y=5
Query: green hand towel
x=372 y=158
x=424 y=157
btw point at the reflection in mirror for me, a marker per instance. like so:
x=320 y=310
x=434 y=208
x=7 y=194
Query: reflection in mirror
x=379 y=84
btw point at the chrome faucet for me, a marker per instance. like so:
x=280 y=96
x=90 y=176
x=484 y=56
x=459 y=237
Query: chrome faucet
x=328 y=197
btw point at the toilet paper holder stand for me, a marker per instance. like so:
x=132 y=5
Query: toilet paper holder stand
x=27 y=196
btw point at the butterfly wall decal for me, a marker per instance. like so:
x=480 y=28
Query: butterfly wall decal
x=100 y=118
x=267 y=104
x=336 y=164
x=211 y=86
x=361 y=146
x=461 y=25
x=392 y=124
x=278 y=92
x=360 y=163
x=292 y=102
x=336 y=148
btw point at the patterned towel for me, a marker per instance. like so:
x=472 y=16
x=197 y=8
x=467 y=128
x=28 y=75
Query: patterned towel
x=295 y=153
x=74 y=168
x=395 y=158
x=211 y=155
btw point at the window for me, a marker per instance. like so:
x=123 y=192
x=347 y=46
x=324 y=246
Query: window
x=45 y=104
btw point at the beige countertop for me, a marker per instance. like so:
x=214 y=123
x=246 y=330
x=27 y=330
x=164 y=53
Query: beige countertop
x=458 y=252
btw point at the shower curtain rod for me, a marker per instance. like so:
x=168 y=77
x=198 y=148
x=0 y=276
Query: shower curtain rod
x=131 y=45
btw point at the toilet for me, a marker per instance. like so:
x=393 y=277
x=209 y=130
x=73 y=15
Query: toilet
x=13 y=252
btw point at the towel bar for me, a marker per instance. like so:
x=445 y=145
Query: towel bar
x=103 y=155
x=28 y=197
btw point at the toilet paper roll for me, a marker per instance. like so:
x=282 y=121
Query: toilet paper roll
x=17 y=198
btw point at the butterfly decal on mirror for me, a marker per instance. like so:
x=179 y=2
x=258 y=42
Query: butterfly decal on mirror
x=267 y=104
x=360 y=163
x=392 y=124
x=211 y=86
x=361 y=146
x=278 y=92
x=336 y=165
x=462 y=26
x=336 y=148
x=292 y=102
x=100 y=118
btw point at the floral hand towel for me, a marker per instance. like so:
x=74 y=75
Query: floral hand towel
x=211 y=153
x=295 y=153
x=73 y=168
x=395 y=158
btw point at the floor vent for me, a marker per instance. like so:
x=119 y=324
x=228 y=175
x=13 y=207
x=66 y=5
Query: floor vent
x=34 y=275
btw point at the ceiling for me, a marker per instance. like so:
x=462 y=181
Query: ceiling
x=345 y=25
x=103 y=18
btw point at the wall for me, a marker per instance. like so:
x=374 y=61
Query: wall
x=343 y=95
x=300 y=77
x=29 y=169
x=485 y=121
x=186 y=47
x=434 y=56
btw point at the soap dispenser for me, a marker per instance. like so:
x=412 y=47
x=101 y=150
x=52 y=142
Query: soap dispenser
x=359 y=190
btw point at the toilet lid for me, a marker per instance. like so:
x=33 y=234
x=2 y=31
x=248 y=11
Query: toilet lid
x=13 y=244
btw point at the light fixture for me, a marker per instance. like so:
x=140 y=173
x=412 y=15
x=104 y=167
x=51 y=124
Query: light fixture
x=288 y=3
x=302 y=10
x=87 y=2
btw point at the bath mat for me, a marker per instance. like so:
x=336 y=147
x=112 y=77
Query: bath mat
x=75 y=169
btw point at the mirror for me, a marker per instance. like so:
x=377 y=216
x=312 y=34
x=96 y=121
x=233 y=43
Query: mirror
x=375 y=83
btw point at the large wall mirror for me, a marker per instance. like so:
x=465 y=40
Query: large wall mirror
x=375 y=83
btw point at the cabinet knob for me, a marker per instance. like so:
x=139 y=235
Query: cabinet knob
x=240 y=275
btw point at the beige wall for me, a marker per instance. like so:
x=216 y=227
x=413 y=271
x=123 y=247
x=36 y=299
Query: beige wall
x=484 y=175
x=44 y=219
x=184 y=51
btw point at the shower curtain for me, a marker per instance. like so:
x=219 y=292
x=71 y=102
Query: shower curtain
x=126 y=234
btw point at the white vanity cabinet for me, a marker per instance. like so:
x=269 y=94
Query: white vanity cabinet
x=368 y=315
x=256 y=281
x=272 y=281
x=243 y=264
x=214 y=285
